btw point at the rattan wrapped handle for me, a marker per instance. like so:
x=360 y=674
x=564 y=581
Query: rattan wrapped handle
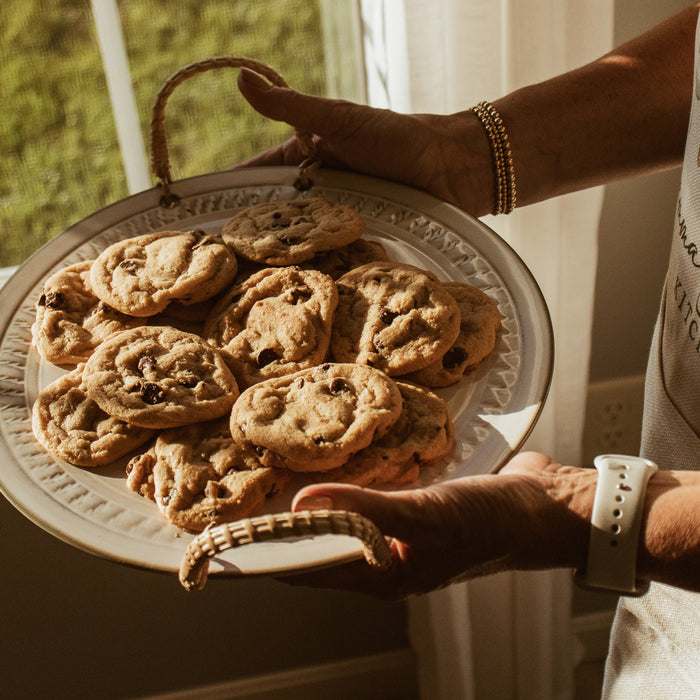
x=160 y=159
x=194 y=567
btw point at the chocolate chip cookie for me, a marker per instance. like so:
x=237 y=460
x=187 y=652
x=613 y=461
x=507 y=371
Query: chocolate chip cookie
x=160 y=377
x=290 y=232
x=315 y=419
x=479 y=325
x=199 y=477
x=140 y=276
x=422 y=435
x=71 y=426
x=70 y=320
x=335 y=263
x=278 y=321
x=393 y=316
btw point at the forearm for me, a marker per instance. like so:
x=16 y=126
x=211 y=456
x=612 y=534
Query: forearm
x=669 y=548
x=669 y=545
x=623 y=114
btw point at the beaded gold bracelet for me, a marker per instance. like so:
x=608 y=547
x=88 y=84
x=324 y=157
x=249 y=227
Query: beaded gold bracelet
x=506 y=192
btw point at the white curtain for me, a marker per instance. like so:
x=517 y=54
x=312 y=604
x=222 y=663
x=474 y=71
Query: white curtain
x=506 y=636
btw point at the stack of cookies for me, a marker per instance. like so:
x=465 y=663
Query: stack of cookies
x=284 y=349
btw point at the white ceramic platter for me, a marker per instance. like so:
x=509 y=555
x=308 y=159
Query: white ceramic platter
x=493 y=410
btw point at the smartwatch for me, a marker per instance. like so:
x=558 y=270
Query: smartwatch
x=615 y=525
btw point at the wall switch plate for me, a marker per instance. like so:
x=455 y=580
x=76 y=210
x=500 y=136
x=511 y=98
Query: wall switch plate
x=613 y=417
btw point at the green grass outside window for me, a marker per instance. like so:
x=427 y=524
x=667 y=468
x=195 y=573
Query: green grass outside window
x=60 y=158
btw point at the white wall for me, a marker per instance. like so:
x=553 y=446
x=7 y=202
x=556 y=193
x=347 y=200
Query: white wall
x=635 y=228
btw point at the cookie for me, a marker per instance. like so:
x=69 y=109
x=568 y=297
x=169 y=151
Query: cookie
x=335 y=263
x=479 y=325
x=315 y=419
x=160 y=377
x=70 y=320
x=199 y=477
x=290 y=232
x=393 y=316
x=70 y=426
x=139 y=473
x=422 y=436
x=276 y=322
x=140 y=276
x=182 y=312
x=366 y=473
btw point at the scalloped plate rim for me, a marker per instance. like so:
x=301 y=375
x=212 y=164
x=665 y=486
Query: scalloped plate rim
x=40 y=507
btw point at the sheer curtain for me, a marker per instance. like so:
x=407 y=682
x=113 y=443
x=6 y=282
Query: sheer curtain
x=506 y=636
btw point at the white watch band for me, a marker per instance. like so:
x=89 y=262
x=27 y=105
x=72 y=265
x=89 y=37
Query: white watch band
x=615 y=524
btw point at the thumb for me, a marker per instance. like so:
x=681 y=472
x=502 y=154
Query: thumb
x=393 y=513
x=306 y=113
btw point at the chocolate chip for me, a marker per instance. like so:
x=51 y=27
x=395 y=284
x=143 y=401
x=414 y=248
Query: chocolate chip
x=454 y=357
x=212 y=489
x=53 y=300
x=145 y=363
x=189 y=382
x=132 y=463
x=319 y=440
x=387 y=316
x=266 y=356
x=300 y=295
x=204 y=238
x=103 y=308
x=144 y=463
x=129 y=265
x=151 y=393
x=338 y=385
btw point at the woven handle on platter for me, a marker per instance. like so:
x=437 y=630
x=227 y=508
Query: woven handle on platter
x=194 y=567
x=160 y=159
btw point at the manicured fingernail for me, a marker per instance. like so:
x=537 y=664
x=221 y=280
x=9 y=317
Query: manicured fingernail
x=254 y=79
x=314 y=503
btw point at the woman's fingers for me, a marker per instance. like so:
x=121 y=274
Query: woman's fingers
x=434 y=538
x=286 y=153
x=446 y=155
x=345 y=135
x=309 y=114
x=405 y=515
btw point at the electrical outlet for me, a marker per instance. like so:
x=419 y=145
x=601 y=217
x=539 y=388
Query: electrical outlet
x=613 y=417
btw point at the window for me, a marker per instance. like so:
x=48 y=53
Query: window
x=61 y=158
